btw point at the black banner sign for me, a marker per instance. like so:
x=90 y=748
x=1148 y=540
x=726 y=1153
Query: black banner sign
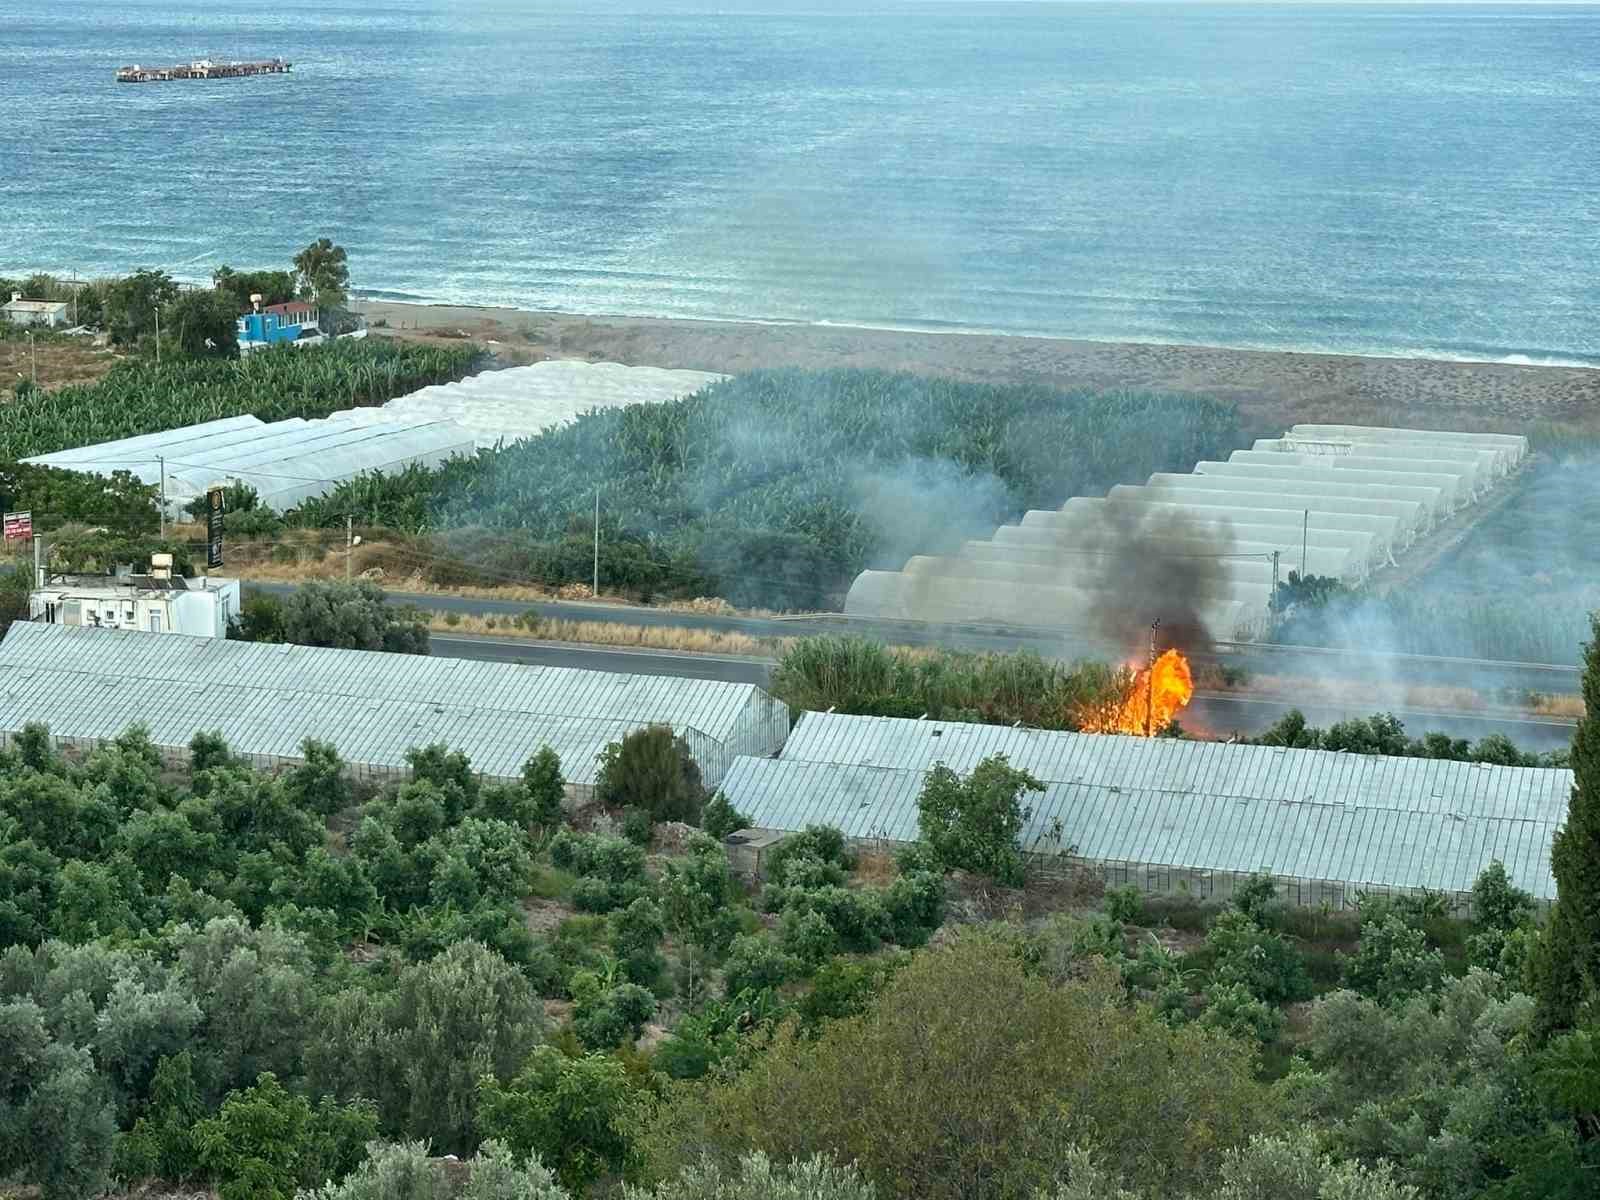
x=214 y=544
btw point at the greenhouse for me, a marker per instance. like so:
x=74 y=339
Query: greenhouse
x=1486 y=465
x=1347 y=509
x=1407 y=516
x=1424 y=502
x=89 y=685
x=285 y=462
x=519 y=402
x=1167 y=814
x=1412 y=472
x=1439 y=496
x=894 y=595
x=1041 y=549
x=1514 y=446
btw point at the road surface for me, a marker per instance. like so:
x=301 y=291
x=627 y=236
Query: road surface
x=1485 y=675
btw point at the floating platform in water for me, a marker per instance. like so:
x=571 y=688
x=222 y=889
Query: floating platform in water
x=203 y=68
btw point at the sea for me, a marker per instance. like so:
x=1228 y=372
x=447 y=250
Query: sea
x=1392 y=179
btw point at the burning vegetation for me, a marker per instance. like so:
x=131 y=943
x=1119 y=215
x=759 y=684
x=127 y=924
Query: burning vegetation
x=1149 y=703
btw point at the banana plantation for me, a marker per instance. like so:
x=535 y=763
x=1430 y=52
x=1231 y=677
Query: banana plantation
x=138 y=397
x=776 y=487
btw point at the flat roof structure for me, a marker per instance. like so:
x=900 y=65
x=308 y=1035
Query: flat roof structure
x=90 y=685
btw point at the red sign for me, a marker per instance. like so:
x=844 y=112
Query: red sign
x=18 y=526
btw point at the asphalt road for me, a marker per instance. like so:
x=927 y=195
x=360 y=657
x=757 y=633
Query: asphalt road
x=1485 y=675
x=1210 y=714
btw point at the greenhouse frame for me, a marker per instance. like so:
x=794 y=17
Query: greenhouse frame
x=88 y=685
x=1486 y=465
x=502 y=407
x=1168 y=815
x=285 y=462
x=1423 y=503
x=1344 y=509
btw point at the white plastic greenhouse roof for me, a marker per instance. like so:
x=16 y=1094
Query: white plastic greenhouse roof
x=1191 y=768
x=519 y=402
x=285 y=461
x=1353 y=500
x=1352 y=844
x=93 y=683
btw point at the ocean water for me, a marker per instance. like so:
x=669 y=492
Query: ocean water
x=1376 y=178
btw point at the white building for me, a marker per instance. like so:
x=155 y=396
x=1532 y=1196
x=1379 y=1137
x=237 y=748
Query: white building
x=51 y=314
x=153 y=603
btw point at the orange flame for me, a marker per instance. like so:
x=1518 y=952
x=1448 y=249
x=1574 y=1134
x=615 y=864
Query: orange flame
x=1153 y=698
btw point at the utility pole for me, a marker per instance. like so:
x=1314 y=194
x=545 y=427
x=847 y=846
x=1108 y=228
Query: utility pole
x=349 y=544
x=1305 y=532
x=160 y=458
x=158 y=335
x=1272 y=604
x=38 y=561
x=594 y=590
x=1150 y=684
x=33 y=359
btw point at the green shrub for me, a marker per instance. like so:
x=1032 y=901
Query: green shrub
x=1232 y=1009
x=562 y=1111
x=807 y=938
x=719 y=818
x=637 y=827
x=755 y=963
x=1125 y=905
x=758 y=1178
x=1263 y=963
x=973 y=824
x=651 y=770
x=1392 y=961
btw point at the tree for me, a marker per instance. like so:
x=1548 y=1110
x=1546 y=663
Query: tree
x=274 y=287
x=265 y=1142
x=405 y=1172
x=323 y=273
x=131 y=303
x=973 y=823
x=1566 y=965
x=423 y=1050
x=757 y=1177
x=202 y=323
x=1393 y=961
x=651 y=769
x=541 y=779
x=933 y=1093
x=563 y=1111
x=349 y=616
x=719 y=818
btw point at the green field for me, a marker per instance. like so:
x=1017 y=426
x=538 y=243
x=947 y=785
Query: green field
x=776 y=488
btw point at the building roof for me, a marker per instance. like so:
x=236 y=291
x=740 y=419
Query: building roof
x=34 y=306
x=266 y=699
x=1274 y=774
x=140 y=582
x=1356 y=845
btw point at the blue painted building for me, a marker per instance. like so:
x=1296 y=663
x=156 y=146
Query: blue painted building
x=277 y=323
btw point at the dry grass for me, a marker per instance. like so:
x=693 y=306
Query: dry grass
x=609 y=633
x=59 y=362
x=1371 y=697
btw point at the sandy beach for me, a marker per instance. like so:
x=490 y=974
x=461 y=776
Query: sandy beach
x=1271 y=387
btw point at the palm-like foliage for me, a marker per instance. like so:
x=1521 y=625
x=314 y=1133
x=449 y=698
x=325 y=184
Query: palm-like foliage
x=770 y=483
x=139 y=397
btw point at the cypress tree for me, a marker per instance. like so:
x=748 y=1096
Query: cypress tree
x=1567 y=966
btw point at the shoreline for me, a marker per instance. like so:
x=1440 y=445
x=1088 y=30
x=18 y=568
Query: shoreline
x=1273 y=388
x=506 y=313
